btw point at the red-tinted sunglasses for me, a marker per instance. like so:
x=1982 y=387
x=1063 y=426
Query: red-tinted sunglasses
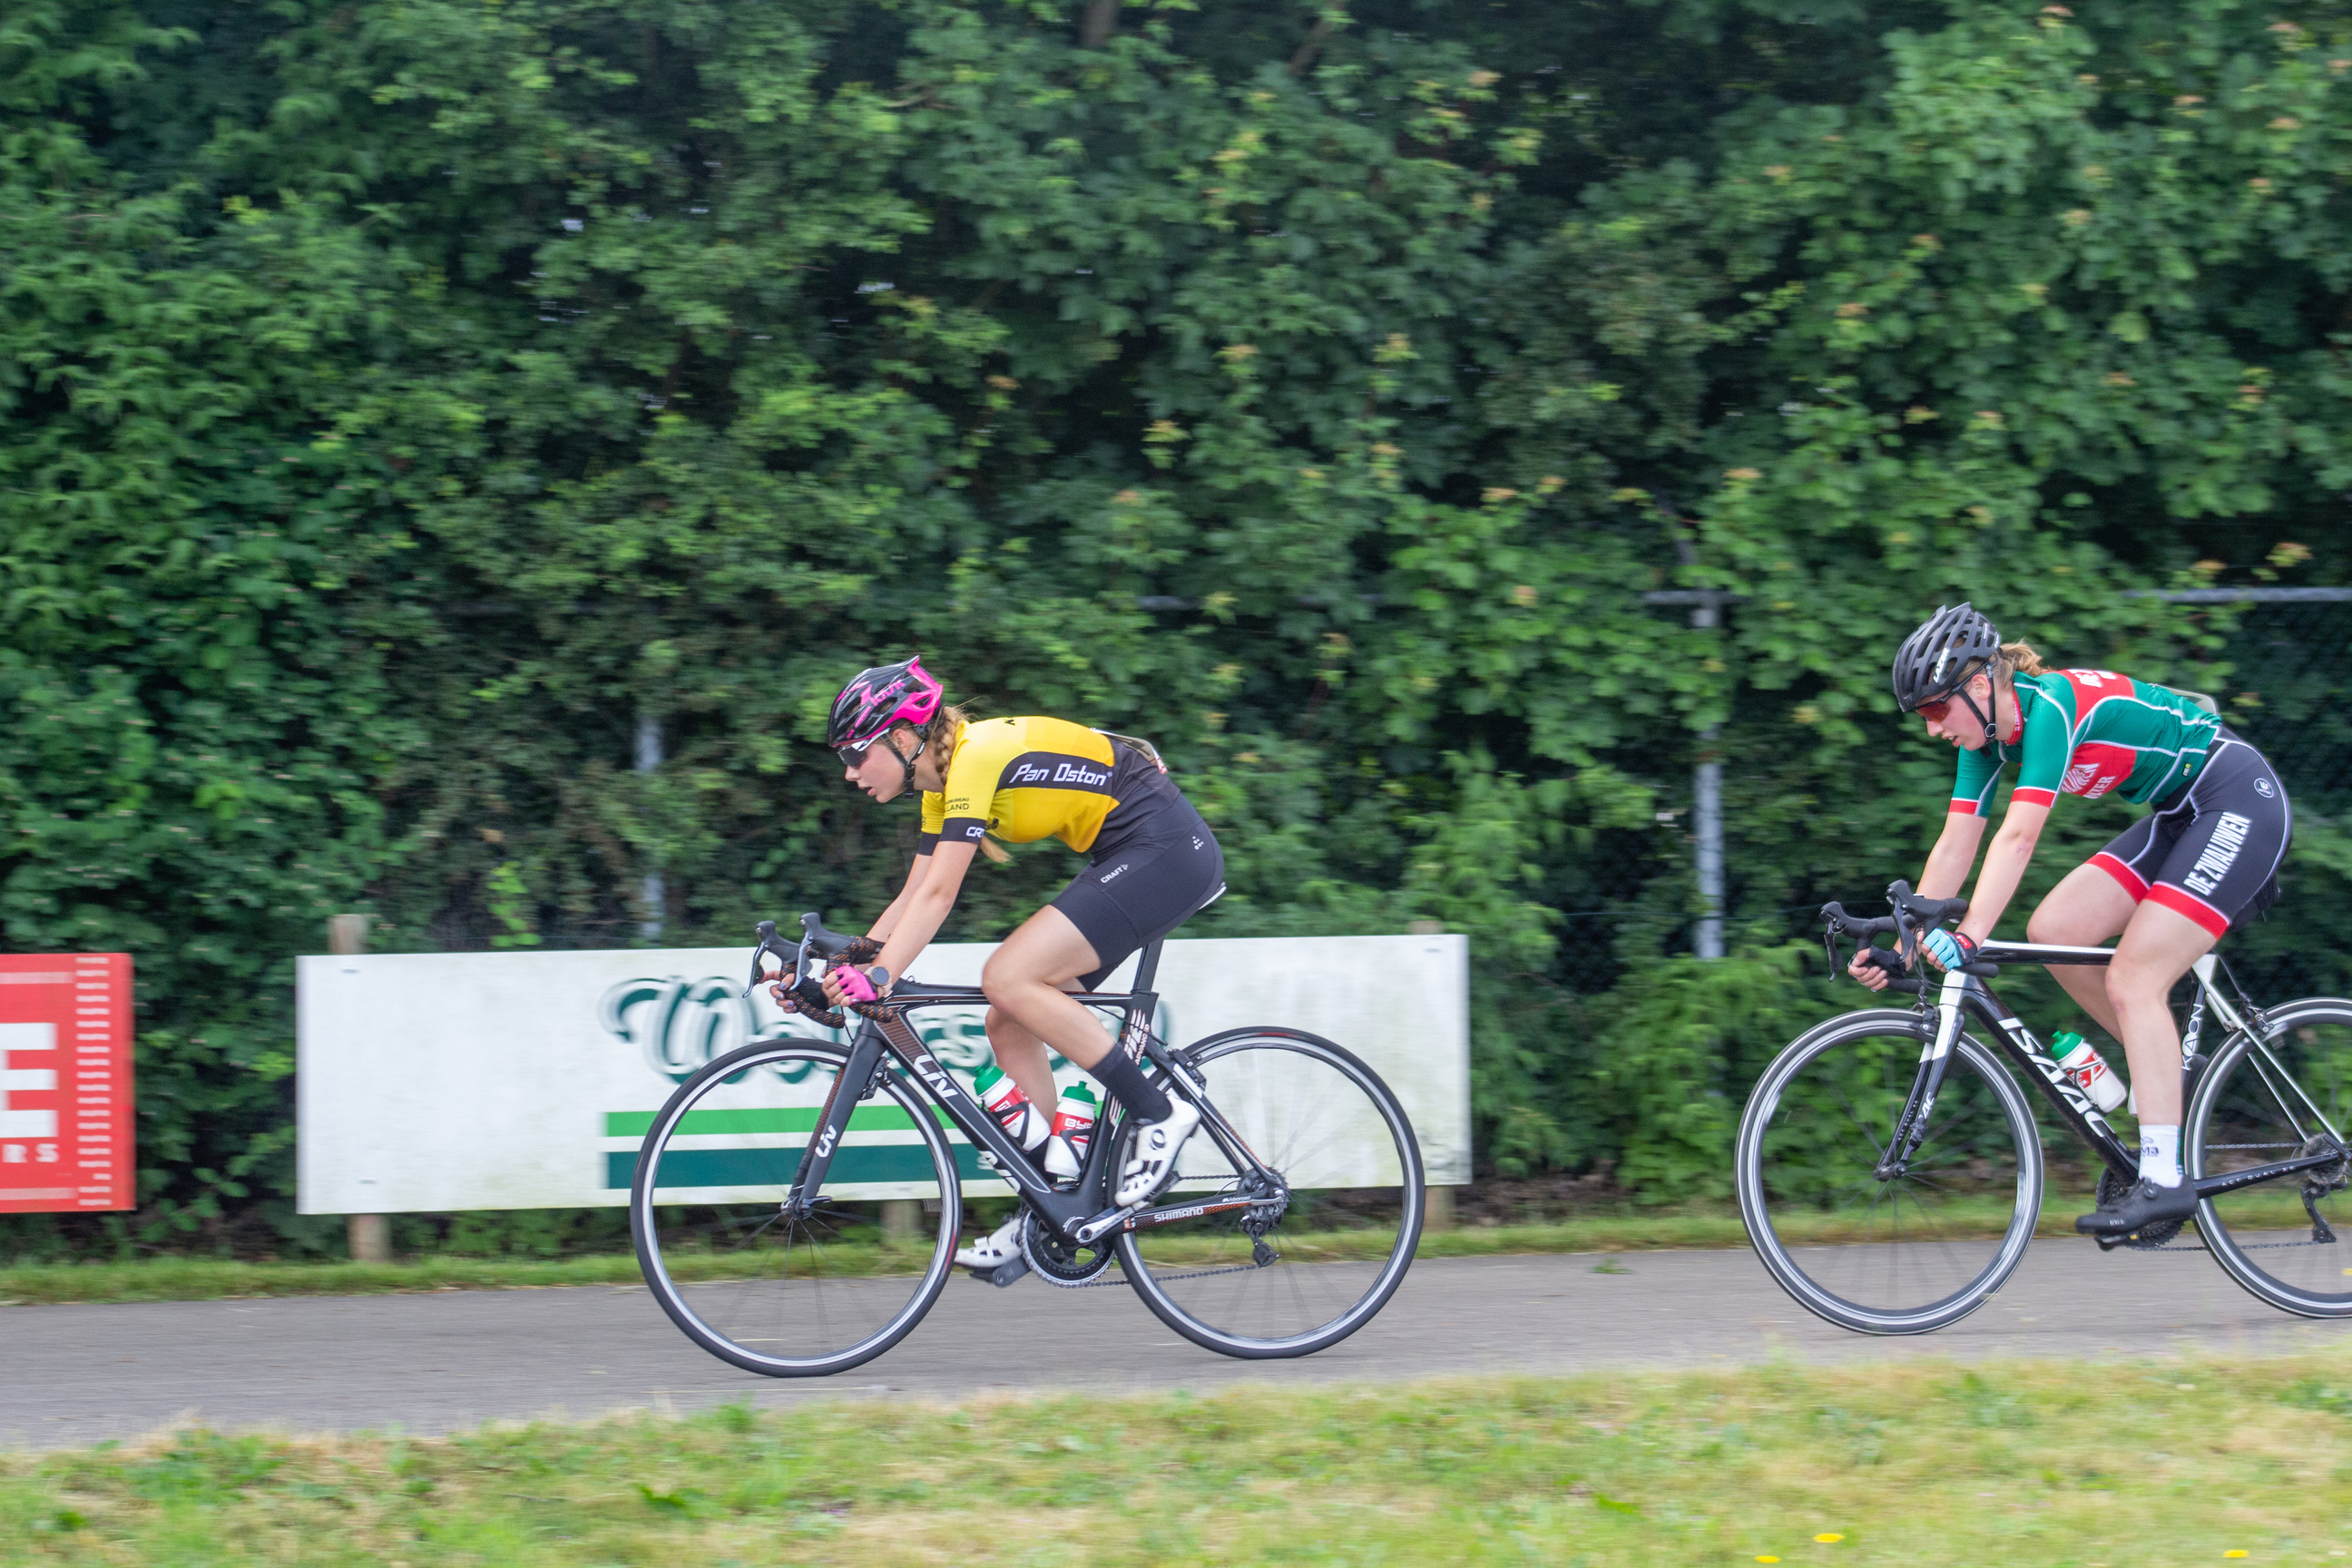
x=1934 y=711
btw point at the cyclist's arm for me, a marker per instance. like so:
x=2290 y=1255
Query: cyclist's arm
x=1955 y=852
x=2004 y=867
x=2045 y=747
x=887 y=921
x=922 y=907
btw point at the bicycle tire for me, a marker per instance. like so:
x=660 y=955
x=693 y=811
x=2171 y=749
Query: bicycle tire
x=761 y=1280
x=1297 y=1127
x=1794 y=1172
x=2261 y=1235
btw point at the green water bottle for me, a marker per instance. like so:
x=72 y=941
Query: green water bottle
x=2079 y=1060
x=1022 y=1120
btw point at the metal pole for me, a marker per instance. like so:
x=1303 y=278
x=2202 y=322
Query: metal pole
x=655 y=891
x=1707 y=789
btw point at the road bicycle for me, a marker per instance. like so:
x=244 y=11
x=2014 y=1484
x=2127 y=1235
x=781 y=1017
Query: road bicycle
x=1889 y=1167
x=1288 y=1221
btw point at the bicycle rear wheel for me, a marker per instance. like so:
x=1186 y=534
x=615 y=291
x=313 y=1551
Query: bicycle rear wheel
x=2288 y=1241
x=1901 y=1254
x=803 y=1296
x=1286 y=1278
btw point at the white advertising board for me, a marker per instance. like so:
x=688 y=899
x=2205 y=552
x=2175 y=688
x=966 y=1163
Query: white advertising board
x=432 y=1082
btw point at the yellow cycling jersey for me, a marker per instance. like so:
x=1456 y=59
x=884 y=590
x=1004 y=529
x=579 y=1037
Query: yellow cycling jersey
x=1026 y=779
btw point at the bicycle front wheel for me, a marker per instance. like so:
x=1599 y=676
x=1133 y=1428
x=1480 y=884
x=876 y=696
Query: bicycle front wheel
x=790 y=1296
x=1899 y=1252
x=1286 y=1278
x=2289 y=1095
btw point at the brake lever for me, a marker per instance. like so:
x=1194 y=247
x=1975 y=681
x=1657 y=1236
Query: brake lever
x=766 y=933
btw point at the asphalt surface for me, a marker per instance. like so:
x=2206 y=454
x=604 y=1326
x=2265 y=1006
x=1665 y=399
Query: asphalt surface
x=449 y=1360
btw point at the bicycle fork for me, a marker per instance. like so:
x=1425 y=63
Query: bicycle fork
x=1911 y=1127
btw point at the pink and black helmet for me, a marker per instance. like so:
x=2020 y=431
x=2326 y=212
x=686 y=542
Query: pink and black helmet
x=875 y=699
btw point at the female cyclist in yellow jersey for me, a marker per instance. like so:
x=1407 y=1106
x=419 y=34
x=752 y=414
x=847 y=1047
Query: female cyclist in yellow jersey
x=1152 y=863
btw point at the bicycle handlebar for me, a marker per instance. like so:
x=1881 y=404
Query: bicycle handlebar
x=804 y=962
x=1913 y=917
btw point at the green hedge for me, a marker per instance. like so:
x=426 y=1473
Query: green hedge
x=403 y=400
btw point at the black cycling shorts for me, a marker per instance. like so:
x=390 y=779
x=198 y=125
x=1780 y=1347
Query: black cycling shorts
x=2210 y=851
x=1158 y=874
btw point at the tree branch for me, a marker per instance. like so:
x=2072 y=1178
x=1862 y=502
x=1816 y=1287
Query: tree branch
x=1102 y=21
x=1324 y=24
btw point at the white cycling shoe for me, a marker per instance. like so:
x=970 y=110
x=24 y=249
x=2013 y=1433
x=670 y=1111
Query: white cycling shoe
x=1154 y=1159
x=998 y=1247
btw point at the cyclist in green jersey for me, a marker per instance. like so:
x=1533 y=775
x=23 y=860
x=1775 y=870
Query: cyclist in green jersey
x=2169 y=886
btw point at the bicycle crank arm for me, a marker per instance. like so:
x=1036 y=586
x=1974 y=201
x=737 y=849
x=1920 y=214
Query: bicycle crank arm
x=1087 y=1232
x=2214 y=1187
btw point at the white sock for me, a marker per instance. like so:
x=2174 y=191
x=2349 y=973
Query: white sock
x=2160 y=1156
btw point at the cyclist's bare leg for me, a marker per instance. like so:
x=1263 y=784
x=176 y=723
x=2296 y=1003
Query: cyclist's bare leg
x=2157 y=949
x=2086 y=909
x=1022 y=1053
x=1028 y=980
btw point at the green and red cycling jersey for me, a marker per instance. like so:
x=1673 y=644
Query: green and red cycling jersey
x=2091 y=732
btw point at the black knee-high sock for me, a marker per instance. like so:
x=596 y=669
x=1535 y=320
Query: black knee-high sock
x=1138 y=1093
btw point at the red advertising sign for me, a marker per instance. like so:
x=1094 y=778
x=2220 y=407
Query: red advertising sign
x=65 y=1083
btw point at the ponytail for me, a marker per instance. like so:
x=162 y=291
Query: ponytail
x=2015 y=659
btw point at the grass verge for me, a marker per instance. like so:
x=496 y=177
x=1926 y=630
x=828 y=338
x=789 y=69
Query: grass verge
x=1919 y=1464
x=207 y=1279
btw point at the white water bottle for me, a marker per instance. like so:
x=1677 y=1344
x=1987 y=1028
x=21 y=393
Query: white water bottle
x=1073 y=1129
x=1022 y=1120
x=2089 y=1070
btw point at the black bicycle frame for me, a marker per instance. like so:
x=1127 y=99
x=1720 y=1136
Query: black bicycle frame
x=1963 y=993
x=1081 y=1213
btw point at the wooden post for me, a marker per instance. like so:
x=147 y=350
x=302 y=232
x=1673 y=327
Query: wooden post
x=1440 y=1216
x=370 y=1234
x=370 y=1237
x=901 y=1218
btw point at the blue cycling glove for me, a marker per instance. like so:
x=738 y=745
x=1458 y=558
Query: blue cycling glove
x=1951 y=948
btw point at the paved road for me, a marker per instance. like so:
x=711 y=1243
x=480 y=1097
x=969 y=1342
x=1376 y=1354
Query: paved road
x=435 y=1362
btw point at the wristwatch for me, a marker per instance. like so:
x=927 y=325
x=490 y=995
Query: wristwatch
x=878 y=978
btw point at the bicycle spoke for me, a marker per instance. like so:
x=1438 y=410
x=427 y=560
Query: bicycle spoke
x=1309 y=1112
x=785 y=1292
x=2260 y=1102
x=1885 y=1251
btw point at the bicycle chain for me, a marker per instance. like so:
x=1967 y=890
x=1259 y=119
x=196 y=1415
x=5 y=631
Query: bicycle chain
x=1165 y=1278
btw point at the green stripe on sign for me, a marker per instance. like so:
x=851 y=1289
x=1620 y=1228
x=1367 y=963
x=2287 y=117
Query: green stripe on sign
x=764 y=1118
x=775 y=1167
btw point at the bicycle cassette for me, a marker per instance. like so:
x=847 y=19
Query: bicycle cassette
x=1058 y=1261
x=2148 y=1238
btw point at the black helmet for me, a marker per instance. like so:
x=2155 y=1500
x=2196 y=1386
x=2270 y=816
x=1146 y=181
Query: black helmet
x=1938 y=658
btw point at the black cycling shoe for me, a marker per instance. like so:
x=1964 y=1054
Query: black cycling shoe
x=2142 y=1204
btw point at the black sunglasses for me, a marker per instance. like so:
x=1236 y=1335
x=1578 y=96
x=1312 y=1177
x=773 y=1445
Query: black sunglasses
x=853 y=757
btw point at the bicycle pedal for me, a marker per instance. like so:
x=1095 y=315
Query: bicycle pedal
x=2108 y=1243
x=1004 y=1273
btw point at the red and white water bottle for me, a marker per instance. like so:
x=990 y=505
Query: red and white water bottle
x=2089 y=1070
x=1073 y=1129
x=1022 y=1120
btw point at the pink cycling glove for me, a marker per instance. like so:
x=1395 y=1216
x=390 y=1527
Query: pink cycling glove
x=855 y=985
